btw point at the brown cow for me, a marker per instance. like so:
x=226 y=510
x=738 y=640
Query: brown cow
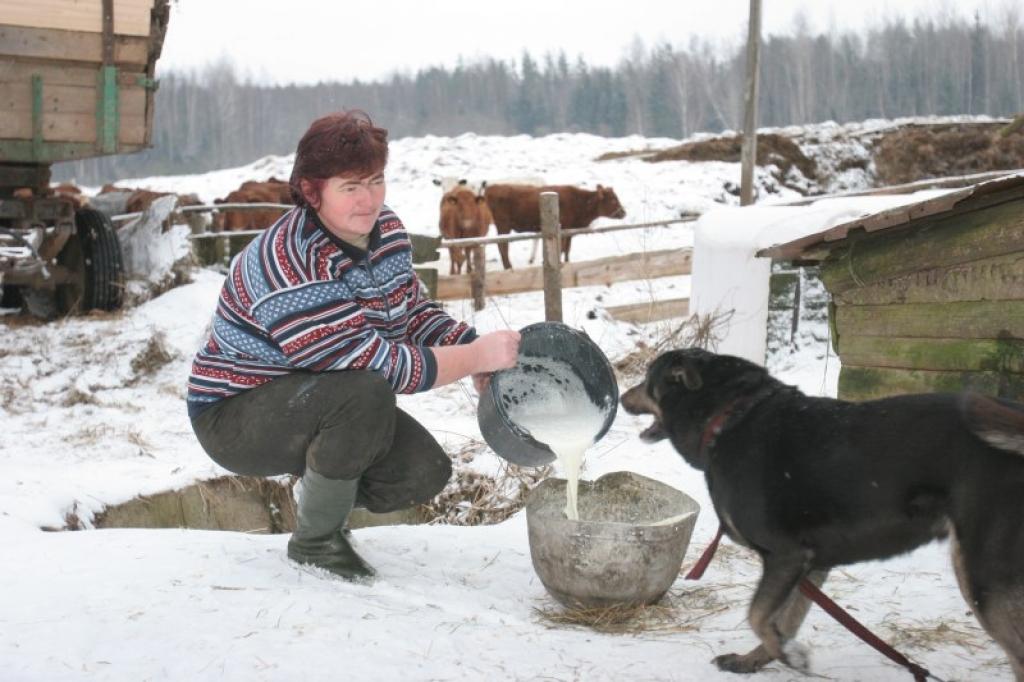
x=66 y=190
x=464 y=214
x=272 y=191
x=141 y=199
x=517 y=208
x=281 y=189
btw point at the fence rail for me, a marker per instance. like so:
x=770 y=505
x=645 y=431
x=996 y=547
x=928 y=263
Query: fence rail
x=533 y=236
x=551 y=277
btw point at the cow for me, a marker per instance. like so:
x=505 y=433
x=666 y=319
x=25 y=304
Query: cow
x=464 y=214
x=142 y=199
x=280 y=188
x=516 y=208
x=72 y=193
x=272 y=191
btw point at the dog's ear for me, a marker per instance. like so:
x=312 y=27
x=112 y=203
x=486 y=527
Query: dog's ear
x=688 y=375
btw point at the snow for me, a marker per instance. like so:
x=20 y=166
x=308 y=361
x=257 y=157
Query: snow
x=90 y=420
x=728 y=276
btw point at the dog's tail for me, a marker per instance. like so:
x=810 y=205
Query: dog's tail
x=1000 y=423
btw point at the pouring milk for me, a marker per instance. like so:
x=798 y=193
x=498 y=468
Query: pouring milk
x=553 y=405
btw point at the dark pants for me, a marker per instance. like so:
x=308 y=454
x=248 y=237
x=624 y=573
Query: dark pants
x=343 y=425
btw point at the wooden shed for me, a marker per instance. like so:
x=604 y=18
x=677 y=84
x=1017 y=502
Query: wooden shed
x=927 y=296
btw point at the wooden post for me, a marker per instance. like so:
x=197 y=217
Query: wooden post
x=478 y=276
x=551 y=230
x=749 y=153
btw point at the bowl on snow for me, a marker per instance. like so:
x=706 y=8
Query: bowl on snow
x=626 y=549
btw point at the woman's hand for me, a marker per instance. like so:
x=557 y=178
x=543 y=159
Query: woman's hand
x=497 y=350
x=489 y=353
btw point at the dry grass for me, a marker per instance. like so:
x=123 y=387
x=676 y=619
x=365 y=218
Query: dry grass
x=77 y=397
x=697 y=331
x=151 y=358
x=90 y=435
x=933 y=635
x=136 y=438
x=677 y=611
x=472 y=498
x=16 y=395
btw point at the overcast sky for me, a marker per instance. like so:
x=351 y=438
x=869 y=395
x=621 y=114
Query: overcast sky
x=303 y=41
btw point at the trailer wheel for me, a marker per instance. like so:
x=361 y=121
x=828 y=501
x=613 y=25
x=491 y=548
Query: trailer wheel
x=93 y=255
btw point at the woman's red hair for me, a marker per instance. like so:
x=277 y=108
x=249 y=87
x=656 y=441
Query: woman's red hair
x=343 y=143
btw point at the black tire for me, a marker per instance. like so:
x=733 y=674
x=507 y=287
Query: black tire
x=93 y=255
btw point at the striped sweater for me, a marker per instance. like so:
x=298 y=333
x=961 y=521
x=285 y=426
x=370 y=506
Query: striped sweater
x=297 y=298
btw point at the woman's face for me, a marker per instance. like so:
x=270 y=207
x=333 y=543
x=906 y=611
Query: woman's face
x=349 y=205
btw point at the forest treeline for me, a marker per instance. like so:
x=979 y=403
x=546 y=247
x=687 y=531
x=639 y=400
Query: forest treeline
x=215 y=119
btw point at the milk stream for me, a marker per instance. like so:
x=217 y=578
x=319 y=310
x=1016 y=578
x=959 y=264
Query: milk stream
x=553 y=405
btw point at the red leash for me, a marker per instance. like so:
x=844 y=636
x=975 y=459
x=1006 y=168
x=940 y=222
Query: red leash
x=697 y=572
x=833 y=609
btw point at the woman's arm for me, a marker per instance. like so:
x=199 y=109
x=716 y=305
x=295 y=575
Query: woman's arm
x=489 y=353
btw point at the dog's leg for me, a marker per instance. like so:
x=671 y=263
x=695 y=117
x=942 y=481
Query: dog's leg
x=776 y=613
x=1000 y=612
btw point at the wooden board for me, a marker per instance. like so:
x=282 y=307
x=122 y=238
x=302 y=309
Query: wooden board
x=987 y=279
x=947 y=355
x=652 y=311
x=956 y=320
x=868 y=383
x=69 y=114
x=602 y=271
x=131 y=17
x=52 y=44
x=961 y=238
x=79 y=74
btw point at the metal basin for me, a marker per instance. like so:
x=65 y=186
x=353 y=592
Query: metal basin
x=558 y=342
x=627 y=548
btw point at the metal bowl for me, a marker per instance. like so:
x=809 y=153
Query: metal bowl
x=545 y=340
x=627 y=548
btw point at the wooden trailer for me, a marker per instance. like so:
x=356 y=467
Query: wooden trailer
x=928 y=296
x=76 y=81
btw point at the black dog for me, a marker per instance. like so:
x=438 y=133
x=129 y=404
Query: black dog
x=812 y=483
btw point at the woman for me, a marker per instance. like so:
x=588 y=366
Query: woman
x=320 y=322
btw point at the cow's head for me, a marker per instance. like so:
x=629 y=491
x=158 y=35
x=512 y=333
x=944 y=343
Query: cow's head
x=608 y=204
x=464 y=212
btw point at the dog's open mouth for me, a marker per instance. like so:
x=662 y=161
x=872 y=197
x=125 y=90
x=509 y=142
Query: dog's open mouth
x=653 y=433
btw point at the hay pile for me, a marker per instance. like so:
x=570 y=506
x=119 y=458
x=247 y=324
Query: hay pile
x=935 y=151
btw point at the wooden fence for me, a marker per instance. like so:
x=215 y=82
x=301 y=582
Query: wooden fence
x=551 y=277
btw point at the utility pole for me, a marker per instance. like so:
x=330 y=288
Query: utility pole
x=749 y=153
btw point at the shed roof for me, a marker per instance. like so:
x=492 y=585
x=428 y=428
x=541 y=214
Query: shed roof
x=810 y=247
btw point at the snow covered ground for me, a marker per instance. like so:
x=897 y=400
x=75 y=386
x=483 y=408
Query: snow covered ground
x=93 y=415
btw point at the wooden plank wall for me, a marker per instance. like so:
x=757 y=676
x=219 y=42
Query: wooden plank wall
x=938 y=306
x=69 y=109
x=60 y=41
x=131 y=17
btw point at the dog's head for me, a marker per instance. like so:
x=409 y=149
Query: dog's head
x=684 y=389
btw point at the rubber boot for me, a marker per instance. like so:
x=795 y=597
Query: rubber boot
x=323 y=504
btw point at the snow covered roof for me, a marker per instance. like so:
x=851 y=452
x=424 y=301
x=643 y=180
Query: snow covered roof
x=810 y=247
